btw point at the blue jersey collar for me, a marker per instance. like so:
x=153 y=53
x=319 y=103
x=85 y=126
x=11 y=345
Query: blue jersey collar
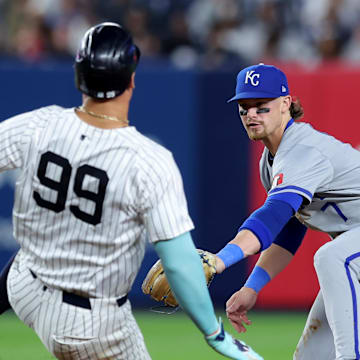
x=291 y=121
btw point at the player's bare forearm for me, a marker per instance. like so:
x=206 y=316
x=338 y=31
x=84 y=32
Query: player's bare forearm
x=248 y=243
x=274 y=259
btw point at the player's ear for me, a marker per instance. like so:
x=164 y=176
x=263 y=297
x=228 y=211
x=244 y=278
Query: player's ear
x=132 y=81
x=286 y=103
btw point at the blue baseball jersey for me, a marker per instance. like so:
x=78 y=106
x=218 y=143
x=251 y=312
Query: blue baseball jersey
x=323 y=170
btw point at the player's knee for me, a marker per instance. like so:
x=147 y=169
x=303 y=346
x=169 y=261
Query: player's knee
x=324 y=257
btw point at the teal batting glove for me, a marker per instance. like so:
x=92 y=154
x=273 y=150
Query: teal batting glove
x=225 y=344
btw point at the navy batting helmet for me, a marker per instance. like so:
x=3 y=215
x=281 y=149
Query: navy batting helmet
x=105 y=61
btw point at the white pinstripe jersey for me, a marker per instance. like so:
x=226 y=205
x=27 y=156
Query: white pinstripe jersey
x=87 y=197
x=324 y=170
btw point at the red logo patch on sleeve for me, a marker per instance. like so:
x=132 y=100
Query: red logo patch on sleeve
x=278 y=179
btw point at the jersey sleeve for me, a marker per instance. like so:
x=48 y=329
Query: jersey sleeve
x=301 y=170
x=164 y=205
x=14 y=140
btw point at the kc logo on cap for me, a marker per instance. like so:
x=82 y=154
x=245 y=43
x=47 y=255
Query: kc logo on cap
x=260 y=82
x=251 y=75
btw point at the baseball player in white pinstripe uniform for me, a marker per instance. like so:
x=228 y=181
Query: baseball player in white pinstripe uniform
x=91 y=188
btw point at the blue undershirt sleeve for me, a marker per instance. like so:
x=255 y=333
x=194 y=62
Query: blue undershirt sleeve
x=267 y=221
x=184 y=271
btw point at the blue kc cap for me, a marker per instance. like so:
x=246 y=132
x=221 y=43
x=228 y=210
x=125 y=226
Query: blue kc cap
x=260 y=81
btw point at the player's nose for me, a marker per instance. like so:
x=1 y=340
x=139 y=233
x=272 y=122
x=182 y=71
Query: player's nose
x=251 y=112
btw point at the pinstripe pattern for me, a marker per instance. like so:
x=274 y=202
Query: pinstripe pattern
x=85 y=202
x=76 y=333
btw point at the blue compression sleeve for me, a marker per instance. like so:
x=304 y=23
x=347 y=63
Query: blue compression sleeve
x=267 y=222
x=185 y=274
x=292 y=235
x=293 y=199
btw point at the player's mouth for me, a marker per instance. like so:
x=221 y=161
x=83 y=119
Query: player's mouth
x=253 y=125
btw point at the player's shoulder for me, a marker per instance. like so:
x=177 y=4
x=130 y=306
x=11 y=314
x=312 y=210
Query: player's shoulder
x=305 y=142
x=298 y=130
x=33 y=118
x=303 y=135
x=147 y=147
x=44 y=111
x=39 y=115
x=151 y=156
x=47 y=113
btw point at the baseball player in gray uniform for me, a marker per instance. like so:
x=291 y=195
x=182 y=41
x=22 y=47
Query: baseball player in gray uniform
x=92 y=189
x=312 y=181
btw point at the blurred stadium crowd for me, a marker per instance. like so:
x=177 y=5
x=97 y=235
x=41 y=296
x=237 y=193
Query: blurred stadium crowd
x=203 y=33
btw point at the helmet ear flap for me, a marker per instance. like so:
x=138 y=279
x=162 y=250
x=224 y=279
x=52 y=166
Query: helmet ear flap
x=129 y=53
x=131 y=56
x=135 y=54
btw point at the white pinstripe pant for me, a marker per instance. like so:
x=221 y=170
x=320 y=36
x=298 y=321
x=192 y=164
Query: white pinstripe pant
x=70 y=332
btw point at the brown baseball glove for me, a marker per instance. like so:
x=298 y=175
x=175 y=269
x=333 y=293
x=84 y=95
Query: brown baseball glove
x=156 y=285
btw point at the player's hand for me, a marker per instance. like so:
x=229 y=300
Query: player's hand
x=237 y=307
x=225 y=344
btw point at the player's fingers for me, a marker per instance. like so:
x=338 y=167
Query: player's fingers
x=238 y=326
x=245 y=319
x=236 y=308
x=239 y=317
x=233 y=308
x=231 y=304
